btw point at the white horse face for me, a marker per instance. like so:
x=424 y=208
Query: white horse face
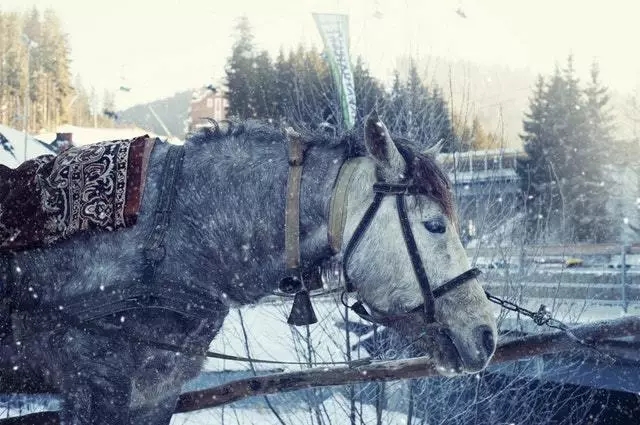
x=463 y=338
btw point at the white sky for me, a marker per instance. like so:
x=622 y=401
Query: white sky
x=162 y=46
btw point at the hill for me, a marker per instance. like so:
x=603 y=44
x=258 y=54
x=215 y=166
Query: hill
x=171 y=110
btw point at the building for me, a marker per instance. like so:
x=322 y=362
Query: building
x=487 y=190
x=206 y=102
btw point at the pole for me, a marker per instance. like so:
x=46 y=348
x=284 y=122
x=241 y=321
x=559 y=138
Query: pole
x=623 y=278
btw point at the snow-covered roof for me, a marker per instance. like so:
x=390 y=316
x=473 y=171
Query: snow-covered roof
x=86 y=135
x=459 y=156
x=12 y=147
x=462 y=177
x=200 y=95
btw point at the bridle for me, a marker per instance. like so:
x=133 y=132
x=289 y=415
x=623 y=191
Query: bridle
x=427 y=308
x=302 y=311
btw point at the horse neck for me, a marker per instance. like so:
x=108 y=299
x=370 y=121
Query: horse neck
x=231 y=210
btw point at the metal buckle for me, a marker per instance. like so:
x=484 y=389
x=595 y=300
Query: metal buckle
x=331 y=274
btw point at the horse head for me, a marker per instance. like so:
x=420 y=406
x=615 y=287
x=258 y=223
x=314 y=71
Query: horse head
x=403 y=255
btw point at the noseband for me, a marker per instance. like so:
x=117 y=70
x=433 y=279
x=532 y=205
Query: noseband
x=427 y=309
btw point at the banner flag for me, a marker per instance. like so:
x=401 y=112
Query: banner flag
x=334 y=30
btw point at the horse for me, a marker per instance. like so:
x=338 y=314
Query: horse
x=225 y=246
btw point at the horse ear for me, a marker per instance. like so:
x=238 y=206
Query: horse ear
x=382 y=149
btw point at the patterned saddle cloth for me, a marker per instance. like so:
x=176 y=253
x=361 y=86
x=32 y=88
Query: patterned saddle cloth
x=50 y=198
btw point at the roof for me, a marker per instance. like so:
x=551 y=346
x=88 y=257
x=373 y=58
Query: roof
x=87 y=135
x=12 y=147
x=446 y=158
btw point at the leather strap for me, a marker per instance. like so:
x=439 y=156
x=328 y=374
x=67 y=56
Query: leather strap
x=154 y=250
x=416 y=261
x=357 y=236
x=456 y=281
x=292 y=211
x=340 y=202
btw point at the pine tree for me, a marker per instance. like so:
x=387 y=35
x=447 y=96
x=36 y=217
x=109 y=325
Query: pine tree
x=240 y=73
x=48 y=60
x=417 y=109
x=13 y=70
x=414 y=111
x=439 y=127
x=81 y=109
x=32 y=30
x=394 y=115
x=57 y=69
x=369 y=92
x=318 y=90
x=599 y=142
x=284 y=86
x=264 y=87
x=581 y=176
x=537 y=178
x=310 y=90
x=598 y=113
x=561 y=179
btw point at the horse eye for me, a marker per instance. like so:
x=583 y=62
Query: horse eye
x=435 y=226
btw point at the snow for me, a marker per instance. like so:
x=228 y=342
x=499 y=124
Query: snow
x=335 y=410
x=86 y=135
x=16 y=140
x=271 y=338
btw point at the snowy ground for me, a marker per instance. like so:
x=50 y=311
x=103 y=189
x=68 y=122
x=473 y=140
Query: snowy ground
x=270 y=337
x=333 y=411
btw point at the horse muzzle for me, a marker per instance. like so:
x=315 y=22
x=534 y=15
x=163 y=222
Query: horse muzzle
x=455 y=355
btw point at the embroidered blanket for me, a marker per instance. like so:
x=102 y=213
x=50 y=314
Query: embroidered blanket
x=50 y=198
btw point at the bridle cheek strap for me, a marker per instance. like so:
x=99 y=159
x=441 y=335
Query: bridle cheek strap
x=357 y=237
x=416 y=261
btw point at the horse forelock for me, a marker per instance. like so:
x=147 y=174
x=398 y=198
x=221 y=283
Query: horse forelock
x=429 y=177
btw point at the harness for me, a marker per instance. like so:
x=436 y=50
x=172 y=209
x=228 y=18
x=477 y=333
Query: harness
x=145 y=292
x=302 y=312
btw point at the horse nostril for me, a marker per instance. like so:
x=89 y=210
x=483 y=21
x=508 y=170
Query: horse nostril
x=486 y=339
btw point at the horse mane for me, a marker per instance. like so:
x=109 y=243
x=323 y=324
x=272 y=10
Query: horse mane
x=423 y=169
